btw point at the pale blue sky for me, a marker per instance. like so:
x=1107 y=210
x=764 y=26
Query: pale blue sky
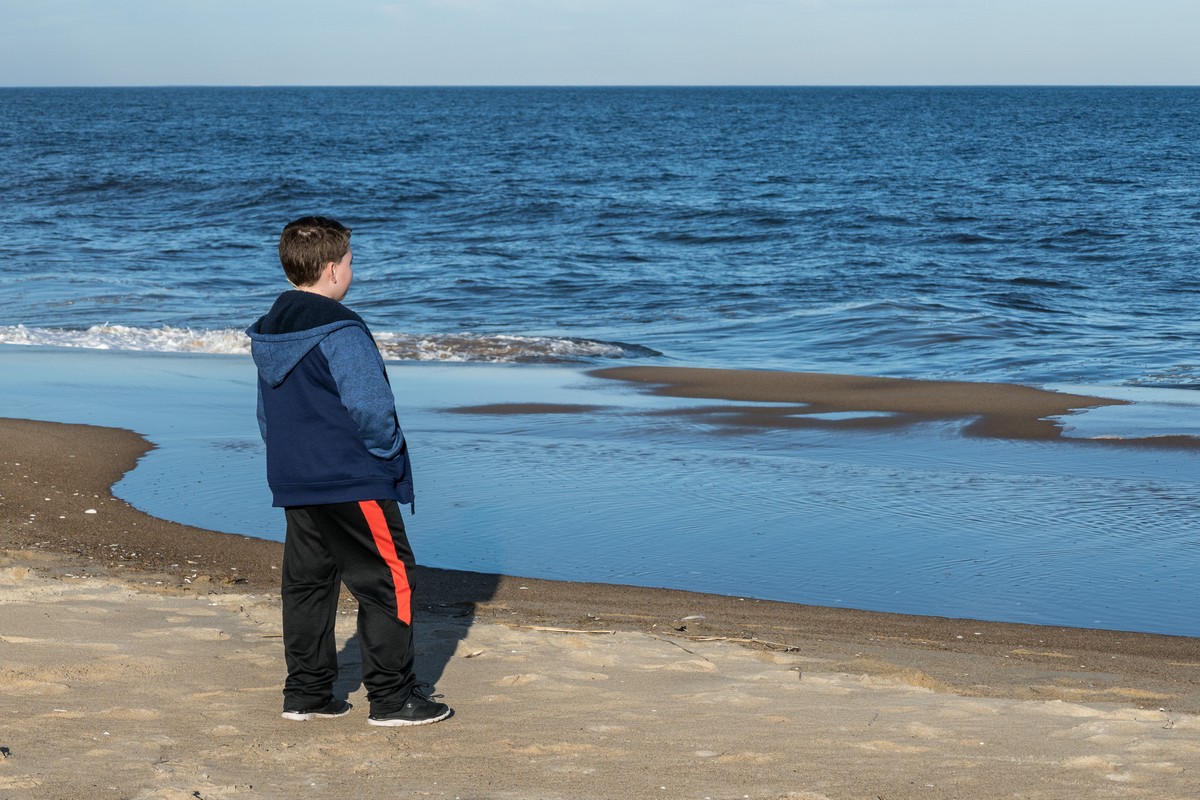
x=583 y=42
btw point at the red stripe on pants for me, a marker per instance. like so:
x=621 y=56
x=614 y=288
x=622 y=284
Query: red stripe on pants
x=387 y=548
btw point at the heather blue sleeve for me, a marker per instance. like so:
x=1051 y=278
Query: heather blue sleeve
x=358 y=370
x=262 y=416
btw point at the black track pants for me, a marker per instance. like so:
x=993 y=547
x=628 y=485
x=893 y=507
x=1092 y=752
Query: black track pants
x=364 y=546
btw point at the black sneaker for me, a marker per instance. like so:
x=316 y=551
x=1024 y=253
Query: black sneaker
x=335 y=708
x=418 y=710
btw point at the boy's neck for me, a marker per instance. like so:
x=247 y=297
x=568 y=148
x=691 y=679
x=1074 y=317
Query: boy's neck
x=325 y=291
x=327 y=285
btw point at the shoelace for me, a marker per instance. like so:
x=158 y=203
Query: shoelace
x=426 y=691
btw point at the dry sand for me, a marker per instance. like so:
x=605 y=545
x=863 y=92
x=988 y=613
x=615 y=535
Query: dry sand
x=142 y=659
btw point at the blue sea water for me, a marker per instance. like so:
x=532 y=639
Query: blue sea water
x=1013 y=234
x=1033 y=235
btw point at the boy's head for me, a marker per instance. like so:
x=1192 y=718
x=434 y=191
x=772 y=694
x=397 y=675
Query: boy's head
x=308 y=244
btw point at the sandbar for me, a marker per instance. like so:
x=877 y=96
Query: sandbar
x=804 y=399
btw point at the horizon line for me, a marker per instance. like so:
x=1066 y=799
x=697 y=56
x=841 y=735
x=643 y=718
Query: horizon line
x=607 y=86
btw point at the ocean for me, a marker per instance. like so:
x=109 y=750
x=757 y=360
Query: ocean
x=508 y=239
x=1026 y=234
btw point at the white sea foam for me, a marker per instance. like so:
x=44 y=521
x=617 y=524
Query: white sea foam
x=166 y=339
x=393 y=346
x=498 y=348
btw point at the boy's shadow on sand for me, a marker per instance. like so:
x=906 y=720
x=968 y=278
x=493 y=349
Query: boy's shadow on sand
x=444 y=608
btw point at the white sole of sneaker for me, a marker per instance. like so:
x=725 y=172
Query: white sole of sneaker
x=305 y=716
x=406 y=723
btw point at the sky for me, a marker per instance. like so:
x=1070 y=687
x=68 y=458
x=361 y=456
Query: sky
x=598 y=42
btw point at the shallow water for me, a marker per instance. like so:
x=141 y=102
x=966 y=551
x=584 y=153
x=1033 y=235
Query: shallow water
x=921 y=521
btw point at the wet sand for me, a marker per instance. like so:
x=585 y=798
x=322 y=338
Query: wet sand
x=141 y=658
x=1001 y=410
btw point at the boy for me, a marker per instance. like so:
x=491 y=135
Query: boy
x=338 y=464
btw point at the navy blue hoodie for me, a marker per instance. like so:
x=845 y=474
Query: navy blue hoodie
x=325 y=407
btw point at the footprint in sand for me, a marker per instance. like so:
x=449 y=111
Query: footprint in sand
x=695 y=665
x=203 y=634
x=557 y=749
x=224 y=730
x=182 y=620
x=40 y=688
x=924 y=731
x=518 y=680
x=732 y=697
x=580 y=675
x=1162 y=767
x=744 y=757
x=136 y=714
x=18 y=782
x=888 y=746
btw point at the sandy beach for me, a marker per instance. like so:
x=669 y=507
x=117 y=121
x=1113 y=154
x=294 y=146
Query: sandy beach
x=142 y=659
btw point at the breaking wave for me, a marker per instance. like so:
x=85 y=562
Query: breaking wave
x=393 y=346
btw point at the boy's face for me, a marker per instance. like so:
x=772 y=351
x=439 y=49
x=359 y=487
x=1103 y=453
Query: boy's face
x=343 y=273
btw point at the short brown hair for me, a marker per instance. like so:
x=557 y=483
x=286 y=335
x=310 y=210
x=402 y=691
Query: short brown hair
x=308 y=244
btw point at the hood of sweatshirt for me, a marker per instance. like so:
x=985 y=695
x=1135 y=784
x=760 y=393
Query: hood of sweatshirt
x=297 y=323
